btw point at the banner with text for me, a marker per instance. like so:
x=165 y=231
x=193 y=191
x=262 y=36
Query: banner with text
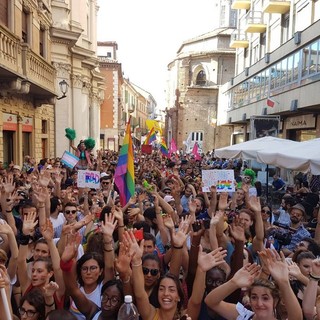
x=88 y=179
x=222 y=179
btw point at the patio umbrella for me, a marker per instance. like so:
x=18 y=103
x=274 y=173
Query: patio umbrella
x=305 y=156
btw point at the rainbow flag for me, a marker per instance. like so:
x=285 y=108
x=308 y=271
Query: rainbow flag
x=124 y=174
x=150 y=137
x=163 y=148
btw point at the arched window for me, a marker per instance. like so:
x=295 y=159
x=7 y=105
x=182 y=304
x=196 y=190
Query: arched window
x=201 y=78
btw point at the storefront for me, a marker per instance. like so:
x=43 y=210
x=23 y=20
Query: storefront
x=301 y=128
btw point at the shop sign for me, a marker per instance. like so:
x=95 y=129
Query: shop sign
x=27 y=124
x=10 y=122
x=300 y=122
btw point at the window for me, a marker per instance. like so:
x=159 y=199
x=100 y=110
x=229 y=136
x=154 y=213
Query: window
x=285 y=28
x=108 y=54
x=42 y=41
x=201 y=78
x=24 y=27
x=4 y=12
x=44 y=126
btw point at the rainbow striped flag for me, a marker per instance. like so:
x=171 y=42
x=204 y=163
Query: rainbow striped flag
x=150 y=137
x=124 y=174
x=163 y=148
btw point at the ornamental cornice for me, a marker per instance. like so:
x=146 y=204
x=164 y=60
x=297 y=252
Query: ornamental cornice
x=63 y=69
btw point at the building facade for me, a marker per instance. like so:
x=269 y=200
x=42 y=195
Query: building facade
x=277 y=68
x=201 y=66
x=27 y=81
x=112 y=106
x=74 y=48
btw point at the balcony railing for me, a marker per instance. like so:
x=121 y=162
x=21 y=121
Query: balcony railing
x=9 y=51
x=37 y=70
x=239 y=39
x=254 y=22
x=276 y=6
x=241 y=4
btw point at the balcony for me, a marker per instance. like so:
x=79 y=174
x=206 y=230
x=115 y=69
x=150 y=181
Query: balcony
x=278 y=6
x=254 y=22
x=241 y=4
x=239 y=40
x=37 y=70
x=10 y=57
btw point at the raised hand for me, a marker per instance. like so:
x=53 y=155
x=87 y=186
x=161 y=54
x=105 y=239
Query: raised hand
x=206 y=261
x=122 y=263
x=276 y=264
x=50 y=288
x=246 y=275
x=71 y=248
x=44 y=178
x=237 y=230
x=192 y=205
x=8 y=185
x=29 y=223
x=294 y=270
x=168 y=222
x=316 y=267
x=179 y=238
x=5 y=228
x=223 y=201
x=40 y=194
x=47 y=230
x=117 y=213
x=108 y=226
x=216 y=218
x=254 y=204
x=135 y=251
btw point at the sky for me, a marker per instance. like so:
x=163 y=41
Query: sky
x=149 y=33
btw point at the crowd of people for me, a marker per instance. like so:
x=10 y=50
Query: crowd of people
x=74 y=253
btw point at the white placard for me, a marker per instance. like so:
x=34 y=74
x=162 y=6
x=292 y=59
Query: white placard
x=88 y=179
x=222 y=179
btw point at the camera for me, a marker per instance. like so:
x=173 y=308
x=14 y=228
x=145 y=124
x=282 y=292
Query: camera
x=283 y=235
x=196 y=226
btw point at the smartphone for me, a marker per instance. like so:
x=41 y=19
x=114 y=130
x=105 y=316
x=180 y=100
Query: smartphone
x=206 y=223
x=196 y=226
x=138 y=234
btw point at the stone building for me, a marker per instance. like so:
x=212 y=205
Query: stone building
x=277 y=68
x=27 y=81
x=112 y=106
x=74 y=47
x=201 y=66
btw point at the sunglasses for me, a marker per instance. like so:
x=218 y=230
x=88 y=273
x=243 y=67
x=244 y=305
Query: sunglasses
x=267 y=212
x=70 y=211
x=105 y=182
x=167 y=192
x=153 y=272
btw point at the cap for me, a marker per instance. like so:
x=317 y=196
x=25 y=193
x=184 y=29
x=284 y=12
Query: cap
x=128 y=299
x=49 y=166
x=299 y=207
x=103 y=174
x=17 y=167
x=168 y=198
x=166 y=188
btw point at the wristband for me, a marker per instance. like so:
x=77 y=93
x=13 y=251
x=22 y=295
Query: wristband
x=107 y=250
x=23 y=239
x=137 y=265
x=313 y=277
x=175 y=247
x=126 y=281
x=66 y=266
x=50 y=305
x=121 y=226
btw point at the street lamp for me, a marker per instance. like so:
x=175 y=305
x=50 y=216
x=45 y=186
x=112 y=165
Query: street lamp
x=63 y=88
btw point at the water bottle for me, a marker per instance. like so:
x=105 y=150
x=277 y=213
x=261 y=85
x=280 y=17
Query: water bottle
x=128 y=311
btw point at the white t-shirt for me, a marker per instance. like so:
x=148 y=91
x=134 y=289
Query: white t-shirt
x=57 y=224
x=244 y=314
x=94 y=296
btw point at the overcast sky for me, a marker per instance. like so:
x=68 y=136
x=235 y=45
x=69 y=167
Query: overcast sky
x=149 y=33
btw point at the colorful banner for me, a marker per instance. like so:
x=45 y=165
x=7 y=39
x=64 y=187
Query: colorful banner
x=88 y=179
x=222 y=179
x=69 y=159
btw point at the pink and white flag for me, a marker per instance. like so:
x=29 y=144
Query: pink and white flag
x=173 y=146
x=195 y=152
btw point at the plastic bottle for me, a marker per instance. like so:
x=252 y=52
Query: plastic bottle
x=128 y=311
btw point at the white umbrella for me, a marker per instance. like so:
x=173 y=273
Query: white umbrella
x=302 y=157
x=248 y=149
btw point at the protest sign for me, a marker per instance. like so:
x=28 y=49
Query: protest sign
x=88 y=179
x=222 y=179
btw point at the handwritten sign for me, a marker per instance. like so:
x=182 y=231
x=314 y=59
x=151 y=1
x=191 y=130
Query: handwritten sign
x=88 y=179
x=222 y=179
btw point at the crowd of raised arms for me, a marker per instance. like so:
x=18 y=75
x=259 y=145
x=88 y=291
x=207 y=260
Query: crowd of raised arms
x=181 y=253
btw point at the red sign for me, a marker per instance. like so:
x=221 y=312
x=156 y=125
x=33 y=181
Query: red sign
x=10 y=122
x=27 y=124
x=146 y=149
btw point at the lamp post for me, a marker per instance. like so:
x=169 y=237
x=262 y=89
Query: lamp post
x=63 y=88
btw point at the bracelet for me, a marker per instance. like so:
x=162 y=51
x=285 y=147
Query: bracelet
x=8 y=211
x=66 y=266
x=313 y=277
x=121 y=226
x=175 y=247
x=107 y=250
x=126 y=281
x=137 y=265
x=50 y=305
x=23 y=239
x=41 y=207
